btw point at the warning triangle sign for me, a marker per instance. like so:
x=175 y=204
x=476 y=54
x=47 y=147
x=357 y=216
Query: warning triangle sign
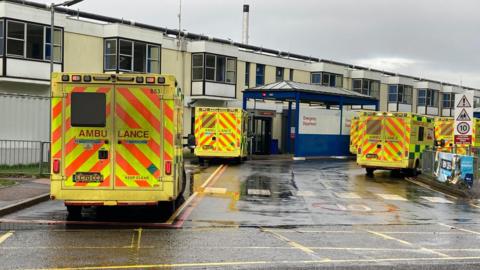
x=464 y=103
x=463 y=116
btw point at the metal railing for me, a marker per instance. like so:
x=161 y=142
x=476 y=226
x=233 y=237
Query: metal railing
x=24 y=157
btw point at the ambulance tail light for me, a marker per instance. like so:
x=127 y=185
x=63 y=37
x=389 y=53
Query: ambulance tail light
x=56 y=166
x=168 y=167
x=76 y=78
x=150 y=79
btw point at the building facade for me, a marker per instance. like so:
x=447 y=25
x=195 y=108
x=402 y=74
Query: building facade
x=211 y=71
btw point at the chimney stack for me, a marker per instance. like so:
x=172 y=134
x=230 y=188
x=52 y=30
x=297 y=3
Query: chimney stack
x=246 y=11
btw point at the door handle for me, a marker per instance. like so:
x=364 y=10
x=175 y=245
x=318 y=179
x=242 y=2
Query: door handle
x=103 y=154
x=379 y=146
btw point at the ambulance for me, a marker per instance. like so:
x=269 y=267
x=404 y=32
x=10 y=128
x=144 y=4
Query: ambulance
x=116 y=140
x=354 y=135
x=393 y=140
x=220 y=133
x=444 y=135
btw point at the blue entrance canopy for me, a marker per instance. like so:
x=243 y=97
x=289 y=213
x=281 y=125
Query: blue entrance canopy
x=297 y=93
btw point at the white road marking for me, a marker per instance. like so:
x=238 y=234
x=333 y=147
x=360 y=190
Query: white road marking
x=306 y=193
x=347 y=195
x=391 y=197
x=436 y=199
x=259 y=192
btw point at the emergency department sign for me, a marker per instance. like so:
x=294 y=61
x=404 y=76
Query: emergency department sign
x=463 y=117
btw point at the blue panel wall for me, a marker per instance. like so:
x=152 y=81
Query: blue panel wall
x=322 y=145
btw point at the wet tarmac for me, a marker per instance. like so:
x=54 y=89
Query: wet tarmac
x=259 y=215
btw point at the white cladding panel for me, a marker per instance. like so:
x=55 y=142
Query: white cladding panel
x=319 y=121
x=197 y=88
x=219 y=90
x=24 y=118
x=30 y=69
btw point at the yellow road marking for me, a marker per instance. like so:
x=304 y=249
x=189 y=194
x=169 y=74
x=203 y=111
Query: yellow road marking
x=459 y=229
x=429 y=188
x=388 y=237
x=193 y=196
x=5 y=236
x=391 y=197
x=139 y=237
x=284 y=262
x=215 y=190
x=291 y=243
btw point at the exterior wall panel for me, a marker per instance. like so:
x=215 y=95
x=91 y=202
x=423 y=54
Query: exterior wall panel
x=83 y=53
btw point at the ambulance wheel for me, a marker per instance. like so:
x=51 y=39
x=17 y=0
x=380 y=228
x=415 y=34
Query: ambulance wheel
x=415 y=171
x=370 y=171
x=184 y=183
x=166 y=209
x=74 y=210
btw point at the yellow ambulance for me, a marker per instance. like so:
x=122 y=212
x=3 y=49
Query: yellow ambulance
x=393 y=140
x=221 y=133
x=354 y=135
x=444 y=135
x=116 y=140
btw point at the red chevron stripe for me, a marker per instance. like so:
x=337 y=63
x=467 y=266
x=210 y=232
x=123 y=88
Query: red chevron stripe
x=80 y=160
x=139 y=107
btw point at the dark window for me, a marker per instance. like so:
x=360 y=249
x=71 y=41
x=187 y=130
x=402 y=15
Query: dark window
x=57 y=44
x=316 y=78
x=231 y=70
x=447 y=100
x=422 y=94
x=357 y=85
x=110 y=54
x=15 y=38
x=153 y=59
x=88 y=110
x=220 y=69
x=421 y=131
x=210 y=67
x=126 y=54
x=392 y=93
x=139 y=57
x=247 y=74
x=279 y=74
x=34 y=41
x=292 y=72
x=197 y=67
x=326 y=79
x=1 y=37
x=260 y=75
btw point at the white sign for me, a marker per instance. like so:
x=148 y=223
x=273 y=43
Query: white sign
x=463 y=117
x=319 y=121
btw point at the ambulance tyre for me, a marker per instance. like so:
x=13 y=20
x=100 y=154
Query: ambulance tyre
x=166 y=209
x=74 y=210
x=370 y=171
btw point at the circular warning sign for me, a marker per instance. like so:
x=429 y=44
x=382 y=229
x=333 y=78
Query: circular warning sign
x=463 y=128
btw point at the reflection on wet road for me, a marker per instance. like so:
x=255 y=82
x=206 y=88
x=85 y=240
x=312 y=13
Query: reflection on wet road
x=262 y=214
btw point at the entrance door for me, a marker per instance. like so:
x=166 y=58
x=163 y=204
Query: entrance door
x=262 y=129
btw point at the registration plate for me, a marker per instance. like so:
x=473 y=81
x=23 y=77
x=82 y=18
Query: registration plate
x=372 y=156
x=207 y=147
x=86 y=177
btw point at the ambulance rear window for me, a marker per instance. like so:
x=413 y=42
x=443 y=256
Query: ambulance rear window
x=374 y=127
x=88 y=110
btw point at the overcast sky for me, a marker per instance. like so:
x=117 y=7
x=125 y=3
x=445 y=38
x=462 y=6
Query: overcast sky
x=434 y=39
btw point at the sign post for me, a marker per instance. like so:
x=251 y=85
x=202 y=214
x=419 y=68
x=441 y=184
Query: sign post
x=463 y=118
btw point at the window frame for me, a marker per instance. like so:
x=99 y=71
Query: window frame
x=282 y=72
x=403 y=94
x=227 y=71
x=319 y=77
x=55 y=45
x=202 y=67
x=16 y=39
x=247 y=74
x=114 y=55
x=262 y=76
x=328 y=78
x=3 y=37
x=148 y=59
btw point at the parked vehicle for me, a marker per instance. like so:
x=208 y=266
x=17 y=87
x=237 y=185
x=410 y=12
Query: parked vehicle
x=221 y=133
x=393 y=140
x=116 y=140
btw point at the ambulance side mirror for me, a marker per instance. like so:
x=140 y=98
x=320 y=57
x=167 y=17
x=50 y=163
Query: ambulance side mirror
x=191 y=141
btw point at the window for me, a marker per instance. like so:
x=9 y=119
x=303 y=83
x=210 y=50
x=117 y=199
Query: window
x=447 y=100
x=139 y=57
x=88 y=110
x=126 y=55
x=57 y=44
x=260 y=75
x=247 y=74
x=291 y=74
x=35 y=41
x=316 y=78
x=215 y=68
x=374 y=127
x=400 y=93
x=1 y=37
x=153 y=59
x=197 y=67
x=421 y=132
x=210 y=67
x=279 y=74
x=110 y=54
x=231 y=70
x=428 y=97
x=366 y=87
x=15 y=38
x=327 y=79
x=133 y=56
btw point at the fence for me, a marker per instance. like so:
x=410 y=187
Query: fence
x=24 y=157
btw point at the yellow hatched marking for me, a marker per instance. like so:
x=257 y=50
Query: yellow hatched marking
x=4 y=237
x=134 y=163
x=128 y=182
